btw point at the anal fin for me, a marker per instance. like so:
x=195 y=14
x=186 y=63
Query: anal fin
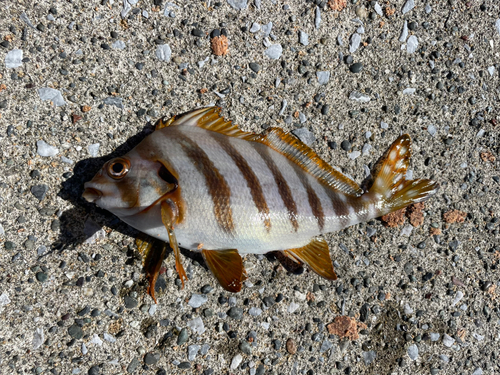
x=316 y=255
x=227 y=267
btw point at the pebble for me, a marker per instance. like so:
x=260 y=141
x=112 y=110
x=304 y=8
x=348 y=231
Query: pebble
x=413 y=352
x=108 y=337
x=197 y=300
x=304 y=135
x=292 y=307
x=478 y=371
x=245 y=347
x=409 y=91
x=404 y=33
x=112 y=100
x=412 y=44
x=355 y=42
x=457 y=298
x=38 y=338
x=4 y=299
x=130 y=302
x=497 y=26
x=409 y=5
x=255 y=67
x=183 y=336
x=55 y=96
x=317 y=18
x=238 y=4
x=163 y=52
x=39 y=191
x=325 y=346
x=235 y=313
x=378 y=9
x=193 y=352
x=120 y=45
x=359 y=97
x=196 y=325
x=133 y=365
x=151 y=358
x=75 y=332
x=255 y=311
x=369 y=357
x=274 y=51
x=303 y=38
x=45 y=150
x=14 y=59
x=428 y=8
x=356 y=67
x=236 y=361
x=323 y=77
x=448 y=341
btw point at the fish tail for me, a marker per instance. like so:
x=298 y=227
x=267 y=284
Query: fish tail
x=391 y=190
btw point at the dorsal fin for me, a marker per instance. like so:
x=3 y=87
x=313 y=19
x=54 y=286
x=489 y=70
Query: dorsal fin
x=301 y=154
x=209 y=119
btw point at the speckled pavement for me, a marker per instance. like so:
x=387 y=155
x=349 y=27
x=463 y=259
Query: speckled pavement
x=82 y=81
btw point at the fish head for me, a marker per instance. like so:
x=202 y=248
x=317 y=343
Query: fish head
x=130 y=184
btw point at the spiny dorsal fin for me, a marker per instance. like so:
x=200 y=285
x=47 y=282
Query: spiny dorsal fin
x=305 y=157
x=209 y=119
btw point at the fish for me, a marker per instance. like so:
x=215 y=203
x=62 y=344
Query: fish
x=201 y=183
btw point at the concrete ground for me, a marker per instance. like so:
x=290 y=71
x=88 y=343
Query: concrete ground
x=84 y=80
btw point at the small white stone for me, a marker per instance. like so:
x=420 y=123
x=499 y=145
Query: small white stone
x=109 y=338
x=255 y=27
x=197 y=325
x=366 y=149
x=238 y=4
x=2 y=231
x=457 y=298
x=45 y=150
x=145 y=14
x=448 y=341
x=55 y=96
x=410 y=4
x=355 y=42
x=66 y=160
x=236 y=361
x=274 y=51
x=412 y=44
x=432 y=130
x=478 y=371
x=255 y=311
x=477 y=336
x=317 y=18
x=359 y=97
x=378 y=9
x=303 y=38
x=354 y=155
x=413 y=352
x=304 y=135
x=152 y=309
x=384 y=125
x=197 y=300
x=435 y=336
x=292 y=307
x=84 y=349
x=163 y=52
x=480 y=133
x=93 y=149
x=265 y=325
x=409 y=91
x=118 y=45
x=284 y=104
x=323 y=77
x=266 y=29
x=406 y=231
x=404 y=32
x=408 y=310
x=491 y=70
x=38 y=338
x=96 y=340
x=258 y=3
x=14 y=58
x=428 y=8
x=193 y=352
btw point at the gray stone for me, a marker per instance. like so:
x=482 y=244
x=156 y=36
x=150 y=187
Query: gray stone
x=303 y=38
x=14 y=58
x=274 y=51
x=151 y=358
x=130 y=302
x=163 y=52
x=238 y=4
x=428 y=8
x=413 y=352
x=39 y=191
x=323 y=77
x=183 y=336
x=133 y=365
x=448 y=341
x=359 y=97
x=75 y=332
x=369 y=357
x=255 y=311
x=409 y=91
x=266 y=29
x=93 y=149
x=378 y=9
x=196 y=325
x=409 y=5
x=478 y=371
x=197 y=300
x=304 y=135
x=255 y=27
x=245 y=347
x=193 y=352
x=317 y=18
x=497 y=26
x=113 y=100
x=404 y=33
x=55 y=96
x=325 y=346
x=235 y=313
x=118 y=45
x=435 y=336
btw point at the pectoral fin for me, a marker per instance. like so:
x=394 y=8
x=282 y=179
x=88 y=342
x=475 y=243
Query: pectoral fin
x=153 y=252
x=227 y=267
x=168 y=217
x=316 y=256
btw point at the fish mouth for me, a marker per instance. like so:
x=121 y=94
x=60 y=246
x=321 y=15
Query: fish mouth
x=91 y=194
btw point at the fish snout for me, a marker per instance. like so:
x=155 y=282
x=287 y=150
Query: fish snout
x=91 y=195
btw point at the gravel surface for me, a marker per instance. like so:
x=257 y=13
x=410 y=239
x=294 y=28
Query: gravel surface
x=84 y=80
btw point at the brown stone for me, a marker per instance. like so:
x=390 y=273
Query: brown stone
x=415 y=214
x=454 y=216
x=220 y=45
x=394 y=219
x=337 y=5
x=291 y=346
x=345 y=326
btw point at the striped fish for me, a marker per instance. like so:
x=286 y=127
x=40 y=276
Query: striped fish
x=200 y=183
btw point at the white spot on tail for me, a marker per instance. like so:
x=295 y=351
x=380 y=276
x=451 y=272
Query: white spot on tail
x=403 y=151
x=393 y=155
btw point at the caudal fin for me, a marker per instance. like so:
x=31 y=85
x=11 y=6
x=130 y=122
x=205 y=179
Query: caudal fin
x=391 y=186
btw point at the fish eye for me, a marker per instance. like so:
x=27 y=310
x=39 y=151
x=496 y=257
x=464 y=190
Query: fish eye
x=118 y=168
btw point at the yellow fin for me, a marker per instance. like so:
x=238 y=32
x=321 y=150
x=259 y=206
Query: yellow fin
x=305 y=157
x=153 y=253
x=168 y=217
x=227 y=267
x=210 y=119
x=316 y=255
x=390 y=183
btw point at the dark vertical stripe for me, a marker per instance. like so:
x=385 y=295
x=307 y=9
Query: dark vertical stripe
x=217 y=186
x=340 y=209
x=283 y=188
x=313 y=199
x=249 y=175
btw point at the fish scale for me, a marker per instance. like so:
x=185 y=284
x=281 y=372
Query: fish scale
x=201 y=183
